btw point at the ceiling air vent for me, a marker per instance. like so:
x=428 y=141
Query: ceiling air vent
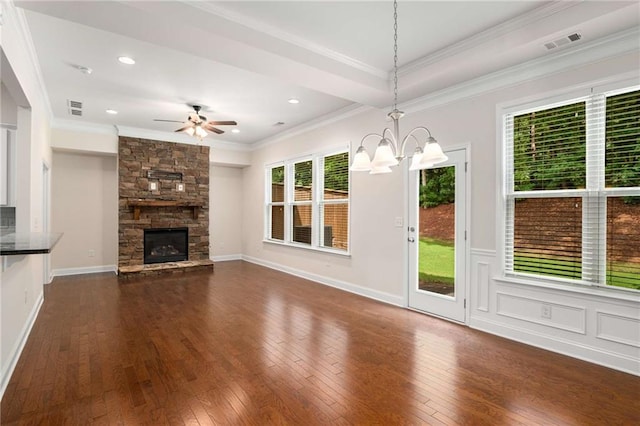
x=562 y=41
x=77 y=112
x=75 y=104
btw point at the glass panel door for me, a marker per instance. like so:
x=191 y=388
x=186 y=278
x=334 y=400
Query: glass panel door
x=437 y=238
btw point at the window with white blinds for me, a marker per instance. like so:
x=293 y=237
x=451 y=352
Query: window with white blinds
x=307 y=202
x=572 y=191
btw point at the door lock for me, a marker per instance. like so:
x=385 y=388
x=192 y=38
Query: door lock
x=412 y=229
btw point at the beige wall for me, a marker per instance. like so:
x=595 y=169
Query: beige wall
x=84 y=198
x=226 y=205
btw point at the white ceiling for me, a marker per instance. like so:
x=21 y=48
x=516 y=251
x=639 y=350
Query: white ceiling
x=244 y=60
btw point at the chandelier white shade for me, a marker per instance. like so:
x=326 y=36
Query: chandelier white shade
x=390 y=149
x=384 y=156
x=361 y=161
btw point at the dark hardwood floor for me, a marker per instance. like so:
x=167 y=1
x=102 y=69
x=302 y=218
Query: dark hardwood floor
x=249 y=345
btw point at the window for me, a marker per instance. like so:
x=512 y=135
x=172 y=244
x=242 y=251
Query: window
x=276 y=203
x=572 y=191
x=308 y=202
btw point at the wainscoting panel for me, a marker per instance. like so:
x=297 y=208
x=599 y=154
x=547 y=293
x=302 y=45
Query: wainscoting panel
x=618 y=328
x=595 y=325
x=482 y=271
x=538 y=311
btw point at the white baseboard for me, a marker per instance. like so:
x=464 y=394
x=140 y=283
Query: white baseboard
x=226 y=257
x=15 y=353
x=341 y=285
x=84 y=270
x=573 y=349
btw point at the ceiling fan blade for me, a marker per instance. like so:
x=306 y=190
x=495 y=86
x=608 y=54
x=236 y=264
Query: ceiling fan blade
x=210 y=128
x=223 y=123
x=184 y=128
x=168 y=121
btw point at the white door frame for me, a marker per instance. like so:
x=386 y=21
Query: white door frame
x=46 y=211
x=467 y=249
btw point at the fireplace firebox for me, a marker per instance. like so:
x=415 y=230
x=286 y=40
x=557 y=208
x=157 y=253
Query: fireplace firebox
x=166 y=245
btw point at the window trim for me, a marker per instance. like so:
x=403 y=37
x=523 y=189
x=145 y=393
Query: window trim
x=505 y=194
x=316 y=202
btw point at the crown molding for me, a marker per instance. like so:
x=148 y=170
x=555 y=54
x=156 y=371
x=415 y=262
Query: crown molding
x=17 y=15
x=584 y=54
x=324 y=120
x=490 y=34
x=286 y=37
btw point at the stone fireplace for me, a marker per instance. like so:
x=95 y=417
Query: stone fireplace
x=163 y=201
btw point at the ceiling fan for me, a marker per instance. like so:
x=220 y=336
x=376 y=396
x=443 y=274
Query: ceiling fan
x=197 y=125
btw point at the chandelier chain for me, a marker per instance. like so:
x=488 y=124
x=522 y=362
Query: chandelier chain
x=395 y=55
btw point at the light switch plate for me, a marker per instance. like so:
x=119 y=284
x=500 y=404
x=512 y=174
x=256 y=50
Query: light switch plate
x=153 y=186
x=180 y=187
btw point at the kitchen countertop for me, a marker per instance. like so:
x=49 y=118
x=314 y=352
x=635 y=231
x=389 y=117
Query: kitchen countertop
x=28 y=243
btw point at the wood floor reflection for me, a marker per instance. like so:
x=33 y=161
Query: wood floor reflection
x=249 y=345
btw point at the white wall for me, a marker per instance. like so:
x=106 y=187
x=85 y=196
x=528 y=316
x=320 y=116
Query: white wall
x=225 y=212
x=583 y=326
x=84 y=193
x=22 y=277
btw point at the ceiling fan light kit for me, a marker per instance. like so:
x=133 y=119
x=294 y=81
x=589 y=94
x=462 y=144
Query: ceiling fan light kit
x=198 y=126
x=391 y=149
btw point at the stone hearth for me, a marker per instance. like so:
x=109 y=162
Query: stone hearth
x=171 y=165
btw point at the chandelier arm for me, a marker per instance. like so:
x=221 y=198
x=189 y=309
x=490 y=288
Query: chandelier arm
x=420 y=128
x=393 y=138
x=411 y=134
x=367 y=136
x=406 y=139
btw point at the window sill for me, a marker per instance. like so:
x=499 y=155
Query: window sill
x=308 y=247
x=604 y=292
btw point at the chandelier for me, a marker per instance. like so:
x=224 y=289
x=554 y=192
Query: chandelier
x=391 y=148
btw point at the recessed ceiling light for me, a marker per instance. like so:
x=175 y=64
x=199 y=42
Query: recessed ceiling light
x=126 y=60
x=235 y=131
x=294 y=101
x=112 y=111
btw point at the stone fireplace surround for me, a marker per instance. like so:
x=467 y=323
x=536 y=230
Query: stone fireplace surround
x=139 y=208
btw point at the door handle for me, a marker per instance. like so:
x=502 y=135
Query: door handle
x=411 y=240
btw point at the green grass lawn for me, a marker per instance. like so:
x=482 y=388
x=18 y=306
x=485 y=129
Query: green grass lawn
x=624 y=275
x=436 y=261
x=437 y=264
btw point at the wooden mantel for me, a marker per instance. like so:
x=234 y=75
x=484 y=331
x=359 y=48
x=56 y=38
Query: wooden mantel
x=140 y=203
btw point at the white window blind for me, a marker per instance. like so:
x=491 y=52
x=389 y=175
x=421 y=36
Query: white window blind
x=622 y=171
x=301 y=205
x=572 y=179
